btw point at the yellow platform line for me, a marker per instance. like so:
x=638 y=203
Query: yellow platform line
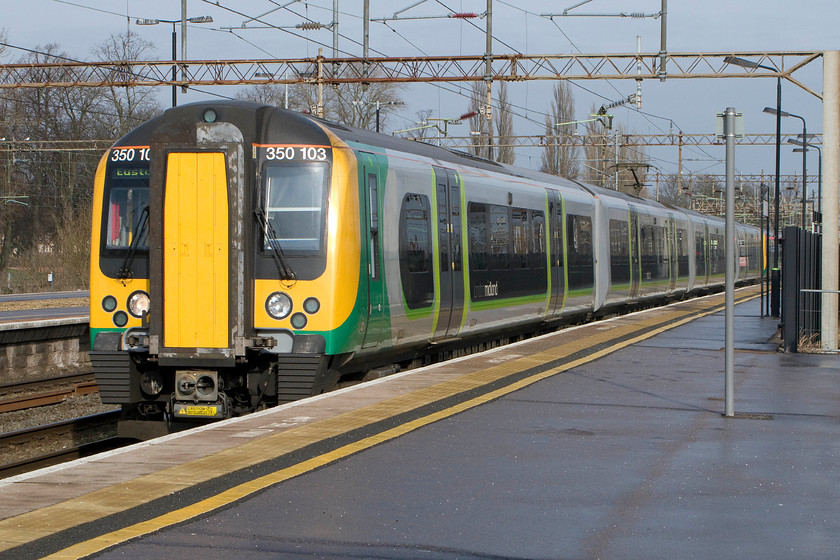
x=111 y=500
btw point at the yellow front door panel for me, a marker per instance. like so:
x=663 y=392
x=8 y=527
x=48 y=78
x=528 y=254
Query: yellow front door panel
x=195 y=245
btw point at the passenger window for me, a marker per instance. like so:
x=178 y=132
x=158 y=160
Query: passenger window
x=619 y=252
x=416 y=251
x=538 y=241
x=700 y=254
x=682 y=253
x=374 y=203
x=477 y=223
x=580 y=262
x=499 y=238
x=374 y=225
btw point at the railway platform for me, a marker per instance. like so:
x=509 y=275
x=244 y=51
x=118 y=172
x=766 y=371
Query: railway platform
x=600 y=441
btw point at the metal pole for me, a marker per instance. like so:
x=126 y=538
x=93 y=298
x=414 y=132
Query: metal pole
x=804 y=171
x=830 y=250
x=819 y=185
x=615 y=136
x=775 y=294
x=183 y=29
x=174 y=66
x=335 y=37
x=663 y=50
x=729 y=255
x=335 y=28
x=488 y=76
x=679 y=163
x=365 y=37
x=183 y=41
x=766 y=219
x=320 y=108
x=762 y=192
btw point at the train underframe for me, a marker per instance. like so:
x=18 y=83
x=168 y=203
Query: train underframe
x=158 y=400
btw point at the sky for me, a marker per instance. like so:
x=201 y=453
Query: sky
x=741 y=26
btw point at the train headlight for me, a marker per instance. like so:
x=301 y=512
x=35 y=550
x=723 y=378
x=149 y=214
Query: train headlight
x=278 y=305
x=138 y=303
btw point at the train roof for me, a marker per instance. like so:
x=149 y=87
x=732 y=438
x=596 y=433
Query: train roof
x=296 y=123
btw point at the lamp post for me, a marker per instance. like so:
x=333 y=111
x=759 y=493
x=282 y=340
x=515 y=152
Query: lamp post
x=806 y=146
x=378 y=105
x=198 y=19
x=775 y=293
x=772 y=111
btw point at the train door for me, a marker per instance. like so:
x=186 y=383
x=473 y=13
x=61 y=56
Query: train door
x=372 y=181
x=707 y=277
x=195 y=257
x=558 y=251
x=672 y=252
x=450 y=267
x=635 y=259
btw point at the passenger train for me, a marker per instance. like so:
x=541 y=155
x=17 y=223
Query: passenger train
x=244 y=256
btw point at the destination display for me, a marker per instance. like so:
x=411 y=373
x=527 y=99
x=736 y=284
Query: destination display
x=130 y=173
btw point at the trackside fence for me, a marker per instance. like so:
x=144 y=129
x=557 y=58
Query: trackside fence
x=801 y=288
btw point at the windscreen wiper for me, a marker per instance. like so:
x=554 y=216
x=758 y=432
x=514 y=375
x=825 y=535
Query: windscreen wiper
x=124 y=272
x=283 y=267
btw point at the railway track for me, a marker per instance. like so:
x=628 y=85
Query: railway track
x=42 y=392
x=59 y=442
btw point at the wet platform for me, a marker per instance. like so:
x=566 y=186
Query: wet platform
x=603 y=441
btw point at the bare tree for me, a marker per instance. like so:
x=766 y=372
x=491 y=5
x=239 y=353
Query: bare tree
x=351 y=104
x=595 y=150
x=56 y=182
x=269 y=94
x=422 y=131
x=504 y=127
x=560 y=154
x=481 y=128
x=357 y=104
x=670 y=190
x=124 y=108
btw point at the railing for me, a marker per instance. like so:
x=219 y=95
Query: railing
x=810 y=312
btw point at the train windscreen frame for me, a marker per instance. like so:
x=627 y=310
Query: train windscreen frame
x=125 y=197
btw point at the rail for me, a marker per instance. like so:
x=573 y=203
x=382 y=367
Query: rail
x=41 y=392
x=64 y=440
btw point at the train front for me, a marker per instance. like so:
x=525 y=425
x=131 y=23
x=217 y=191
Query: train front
x=214 y=266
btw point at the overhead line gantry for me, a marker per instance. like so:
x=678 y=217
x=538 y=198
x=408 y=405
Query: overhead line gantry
x=464 y=68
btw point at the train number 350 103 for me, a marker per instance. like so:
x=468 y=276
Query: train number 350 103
x=308 y=153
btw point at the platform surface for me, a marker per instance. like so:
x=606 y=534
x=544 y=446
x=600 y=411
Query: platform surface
x=624 y=454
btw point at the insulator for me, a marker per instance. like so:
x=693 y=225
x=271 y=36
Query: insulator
x=309 y=25
x=464 y=15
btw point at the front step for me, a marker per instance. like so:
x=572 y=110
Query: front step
x=300 y=376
